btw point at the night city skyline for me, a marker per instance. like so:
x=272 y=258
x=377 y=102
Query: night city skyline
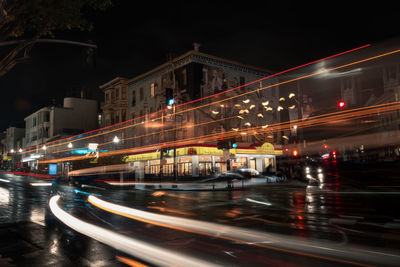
x=199 y=133
x=128 y=46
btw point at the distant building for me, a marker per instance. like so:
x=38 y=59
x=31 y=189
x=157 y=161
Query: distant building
x=51 y=123
x=115 y=105
x=14 y=138
x=11 y=143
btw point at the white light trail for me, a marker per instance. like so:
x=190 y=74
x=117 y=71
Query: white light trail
x=40 y=184
x=258 y=202
x=310 y=248
x=136 y=248
x=4 y=180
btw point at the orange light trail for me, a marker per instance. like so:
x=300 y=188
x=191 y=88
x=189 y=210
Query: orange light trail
x=222 y=236
x=130 y=262
x=169 y=210
x=223 y=100
x=293 y=80
x=311 y=121
x=163 y=193
x=149 y=134
x=196 y=100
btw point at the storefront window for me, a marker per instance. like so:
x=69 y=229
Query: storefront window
x=205 y=159
x=241 y=162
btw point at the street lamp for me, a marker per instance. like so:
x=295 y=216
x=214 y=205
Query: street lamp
x=12 y=150
x=116 y=140
x=20 y=150
x=44 y=147
x=70 y=145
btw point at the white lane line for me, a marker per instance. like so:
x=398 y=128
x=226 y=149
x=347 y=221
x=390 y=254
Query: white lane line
x=136 y=248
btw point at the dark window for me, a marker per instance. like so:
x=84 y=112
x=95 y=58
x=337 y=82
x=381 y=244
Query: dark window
x=123 y=115
x=133 y=98
x=242 y=82
x=123 y=93
x=141 y=94
x=117 y=94
x=117 y=116
x=224 y=82
x=107 y=97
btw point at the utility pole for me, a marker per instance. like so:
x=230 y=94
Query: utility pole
x=174 y=112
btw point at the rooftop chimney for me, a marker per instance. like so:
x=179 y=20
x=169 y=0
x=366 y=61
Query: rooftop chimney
x=196 y=46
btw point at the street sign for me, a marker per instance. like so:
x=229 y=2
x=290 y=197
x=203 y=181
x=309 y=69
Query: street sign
x=53 y=169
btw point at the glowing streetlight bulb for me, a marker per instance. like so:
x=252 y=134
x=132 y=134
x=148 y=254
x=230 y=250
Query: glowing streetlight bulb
x=20 y=150
x=70 y=145
x=44 y=147
x=12 y=150
x=116 y=139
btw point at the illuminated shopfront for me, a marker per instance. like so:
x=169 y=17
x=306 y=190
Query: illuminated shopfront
x=203 y=160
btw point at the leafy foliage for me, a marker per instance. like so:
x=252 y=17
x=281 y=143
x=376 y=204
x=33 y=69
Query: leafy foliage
x=35 y=18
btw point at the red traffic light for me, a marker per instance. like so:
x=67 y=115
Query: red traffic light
x=341 y=104
x=286 y=149
x=334 y=153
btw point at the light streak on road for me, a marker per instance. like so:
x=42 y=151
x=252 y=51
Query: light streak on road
x=169 y=210
x=130 y=262
x=4 y=180
x=259 y=202
x=163 y=193
x=40 y=184
x=309 y=248
x=186 y=103
x=139 y=249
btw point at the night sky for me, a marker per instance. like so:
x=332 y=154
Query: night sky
x=134 y=38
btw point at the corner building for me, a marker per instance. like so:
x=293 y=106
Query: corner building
x=199 y=76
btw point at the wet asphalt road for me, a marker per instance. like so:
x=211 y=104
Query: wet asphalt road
x=327 y=208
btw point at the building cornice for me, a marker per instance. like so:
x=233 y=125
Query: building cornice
x=113 y=82
x=202 y=58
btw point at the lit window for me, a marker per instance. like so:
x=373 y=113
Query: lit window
x=184 y=77
x=152 y=90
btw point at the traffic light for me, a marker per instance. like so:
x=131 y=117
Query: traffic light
x=341 y=104
x=233 y=143
x=221 y=144
x=295 y=153
x=169 y=96
x=165 y=151
x=325 y=146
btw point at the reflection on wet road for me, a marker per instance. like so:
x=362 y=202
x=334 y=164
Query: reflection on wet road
x=292 y=223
